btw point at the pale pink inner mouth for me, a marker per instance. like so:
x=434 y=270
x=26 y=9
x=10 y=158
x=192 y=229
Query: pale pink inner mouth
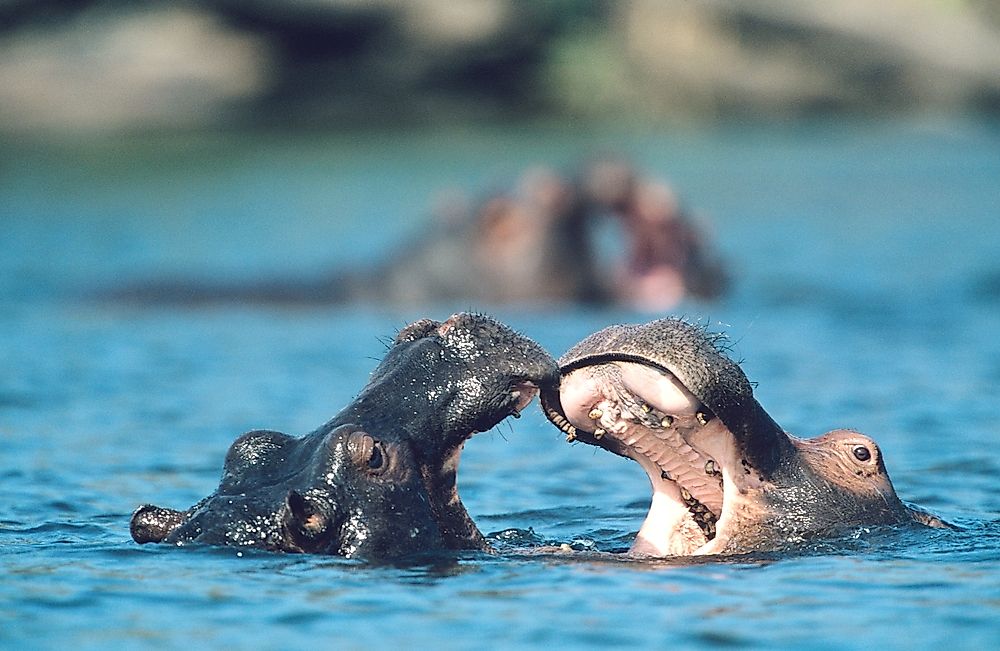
x=646 y=414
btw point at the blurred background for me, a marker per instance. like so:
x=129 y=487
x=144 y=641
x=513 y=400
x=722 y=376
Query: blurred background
x=110 y=65
x=213 y=214
x=244 y=150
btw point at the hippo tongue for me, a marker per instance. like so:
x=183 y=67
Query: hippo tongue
x=641 y=413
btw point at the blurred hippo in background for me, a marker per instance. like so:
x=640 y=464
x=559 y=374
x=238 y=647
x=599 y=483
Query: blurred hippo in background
x=605 y=236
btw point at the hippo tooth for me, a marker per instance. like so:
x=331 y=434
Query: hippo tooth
x=562 y=424
x=599 y=433
x=710 y=467
x=646 y=408
x=702 y=418
x=685 y=494
x=666 y=421
x=595 y=413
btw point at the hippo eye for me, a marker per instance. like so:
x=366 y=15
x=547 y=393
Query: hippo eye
x=377 y=457
x=367 y=453
x=861 y=453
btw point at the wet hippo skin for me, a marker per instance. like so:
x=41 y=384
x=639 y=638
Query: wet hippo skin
x=726 y=478
x=378 y=481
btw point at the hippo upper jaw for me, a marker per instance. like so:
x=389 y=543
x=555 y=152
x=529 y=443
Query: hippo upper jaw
x=664 y=395
x=441 y=382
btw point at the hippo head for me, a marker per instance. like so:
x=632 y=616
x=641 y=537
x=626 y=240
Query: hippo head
x=726 y=478
x=378 y=481
x=349 y=493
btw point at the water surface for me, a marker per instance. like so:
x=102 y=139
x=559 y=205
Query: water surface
x=867 y=264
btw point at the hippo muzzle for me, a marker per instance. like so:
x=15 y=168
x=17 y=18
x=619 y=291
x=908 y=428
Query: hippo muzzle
x=378 y=480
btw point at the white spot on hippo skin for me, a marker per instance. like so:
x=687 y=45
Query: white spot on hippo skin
x=471 y=388
x=462 y=341
x=414 y=532
x=355 y=527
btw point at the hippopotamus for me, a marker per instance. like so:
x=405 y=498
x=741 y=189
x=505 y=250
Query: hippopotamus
x=378 y=481
x=726 y=478
x=535 y=243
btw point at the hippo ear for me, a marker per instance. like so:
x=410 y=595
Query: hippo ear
x=153 y=523
x=307 y=520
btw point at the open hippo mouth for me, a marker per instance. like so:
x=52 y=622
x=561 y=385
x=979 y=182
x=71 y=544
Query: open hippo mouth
x=665 y=395
x=643 y=412
x=725 y=477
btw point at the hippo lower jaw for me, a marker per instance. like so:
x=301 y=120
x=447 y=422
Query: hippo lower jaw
x=699 y=481
x=441 y=480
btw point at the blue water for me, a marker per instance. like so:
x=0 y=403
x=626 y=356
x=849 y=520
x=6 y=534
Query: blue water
x=867 y=295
